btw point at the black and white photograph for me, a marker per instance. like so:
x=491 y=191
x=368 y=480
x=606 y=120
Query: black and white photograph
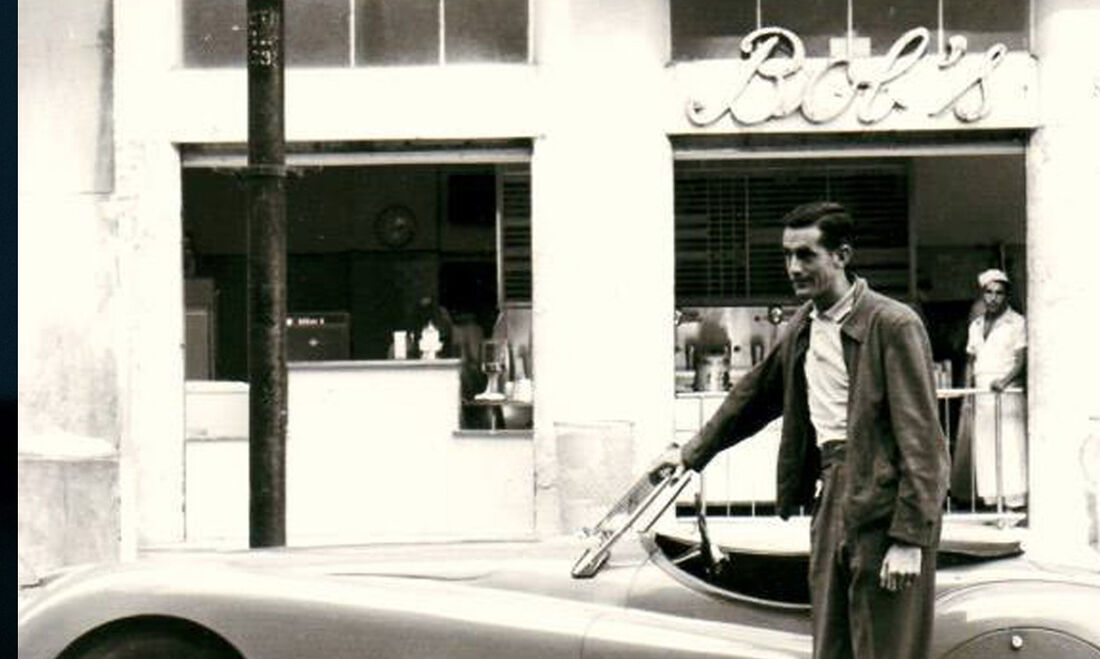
x=579 y=329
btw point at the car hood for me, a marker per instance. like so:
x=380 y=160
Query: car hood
x=543 y=566
x=539 y=567
x=238 y=594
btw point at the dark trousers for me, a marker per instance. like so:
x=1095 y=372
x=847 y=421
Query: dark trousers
x=853 y=616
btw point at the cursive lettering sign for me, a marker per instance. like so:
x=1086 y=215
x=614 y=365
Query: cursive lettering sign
x=992 y=58
x=772 y=82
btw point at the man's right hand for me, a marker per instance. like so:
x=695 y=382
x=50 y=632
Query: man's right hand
x=670 y=460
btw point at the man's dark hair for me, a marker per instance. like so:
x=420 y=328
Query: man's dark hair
x=832 y=218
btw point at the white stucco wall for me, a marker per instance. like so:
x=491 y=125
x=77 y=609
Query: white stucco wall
x=69 y=503
x=602 y=232
x=67 y=355
x=147 y=213
x=620 y=195
x=69 y=296
x=1063 y=171
x=99 y=203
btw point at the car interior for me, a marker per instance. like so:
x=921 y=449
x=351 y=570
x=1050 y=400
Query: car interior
x=781 y=576
x=775 y=576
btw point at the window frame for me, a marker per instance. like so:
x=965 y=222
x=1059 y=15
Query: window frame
x=849 y=37
x=352 y=60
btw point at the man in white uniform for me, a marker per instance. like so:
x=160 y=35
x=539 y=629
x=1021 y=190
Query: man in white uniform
x=996 y=356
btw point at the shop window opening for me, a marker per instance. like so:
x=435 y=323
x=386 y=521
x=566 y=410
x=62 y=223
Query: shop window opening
x=374 y=252
x=926 y=228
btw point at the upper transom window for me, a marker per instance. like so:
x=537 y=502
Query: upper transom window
x=341 y=33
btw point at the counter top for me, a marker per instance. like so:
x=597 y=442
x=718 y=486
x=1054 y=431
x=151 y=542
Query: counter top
x=503 y=433
x=701 y=394
x=377 y=364
x=959 y=392
x=499 y=402
x=215 y=387
x=956 y=392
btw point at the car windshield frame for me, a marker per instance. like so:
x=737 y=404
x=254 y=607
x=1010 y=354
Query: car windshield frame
x=642 y=505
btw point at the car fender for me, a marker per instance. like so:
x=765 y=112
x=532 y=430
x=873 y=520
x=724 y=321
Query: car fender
x=266 y=616
x=1039 y=612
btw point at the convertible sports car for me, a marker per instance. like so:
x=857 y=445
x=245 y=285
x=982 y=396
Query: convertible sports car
x=646 y=584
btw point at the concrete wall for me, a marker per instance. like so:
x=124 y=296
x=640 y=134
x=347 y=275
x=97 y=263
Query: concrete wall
x=71 y=416
x=602 y=231
x=147 y=207
x=362 y=463
x=99 y=203
x=69 y=504
x=1062 y=173
x=68 y=364
x=579 y=47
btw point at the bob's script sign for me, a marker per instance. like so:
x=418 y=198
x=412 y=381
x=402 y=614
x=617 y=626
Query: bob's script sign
x=775 y=82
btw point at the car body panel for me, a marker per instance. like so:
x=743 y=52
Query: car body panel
x=632 y=634
x=516 y=599
x=273 y=615
x=1014 y=604
x=1024 y=642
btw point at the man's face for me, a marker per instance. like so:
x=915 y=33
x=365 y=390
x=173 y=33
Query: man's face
x=995 y=297
x=812 y=269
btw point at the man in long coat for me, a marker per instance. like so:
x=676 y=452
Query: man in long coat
x=861 y=444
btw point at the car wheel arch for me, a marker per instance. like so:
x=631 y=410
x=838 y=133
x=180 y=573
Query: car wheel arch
x=1025 y=641
x=113 y=639
x=1039 y=613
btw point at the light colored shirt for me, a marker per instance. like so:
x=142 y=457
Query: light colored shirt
x=826 y=372
x=995 y=355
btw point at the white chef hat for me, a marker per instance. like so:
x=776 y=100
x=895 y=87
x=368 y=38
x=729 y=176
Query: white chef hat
x=989 y=276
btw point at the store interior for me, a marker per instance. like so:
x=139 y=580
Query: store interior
x=376 y=249
x=926 y=226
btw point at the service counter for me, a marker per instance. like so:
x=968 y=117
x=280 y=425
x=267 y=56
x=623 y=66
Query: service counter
x=373 y=452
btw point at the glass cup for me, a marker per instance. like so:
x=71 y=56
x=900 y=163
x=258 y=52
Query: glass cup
x=494 y=364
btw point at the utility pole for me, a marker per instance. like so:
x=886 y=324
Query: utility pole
x=266 y=203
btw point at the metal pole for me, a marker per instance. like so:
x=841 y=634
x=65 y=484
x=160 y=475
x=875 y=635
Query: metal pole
x=266 y=174
x=945 y=409
x=973 y=412
x=998 y=453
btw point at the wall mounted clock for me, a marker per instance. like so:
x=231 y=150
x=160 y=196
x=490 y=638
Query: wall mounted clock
x=395 y=226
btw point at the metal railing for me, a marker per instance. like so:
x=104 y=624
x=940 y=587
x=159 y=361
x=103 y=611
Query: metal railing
x=978 y=422
x=989 y=473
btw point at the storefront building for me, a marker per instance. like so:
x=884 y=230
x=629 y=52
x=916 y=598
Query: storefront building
x=597 y=182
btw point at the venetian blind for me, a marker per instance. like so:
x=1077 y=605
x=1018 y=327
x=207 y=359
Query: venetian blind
x=729 y=229
x=515 y=233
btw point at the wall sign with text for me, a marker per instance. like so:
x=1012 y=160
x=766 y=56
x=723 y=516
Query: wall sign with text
x=776 y=86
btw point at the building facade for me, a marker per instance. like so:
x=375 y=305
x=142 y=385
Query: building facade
x=646 y=145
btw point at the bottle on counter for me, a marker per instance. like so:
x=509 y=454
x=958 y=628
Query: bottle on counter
x=400 y=349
